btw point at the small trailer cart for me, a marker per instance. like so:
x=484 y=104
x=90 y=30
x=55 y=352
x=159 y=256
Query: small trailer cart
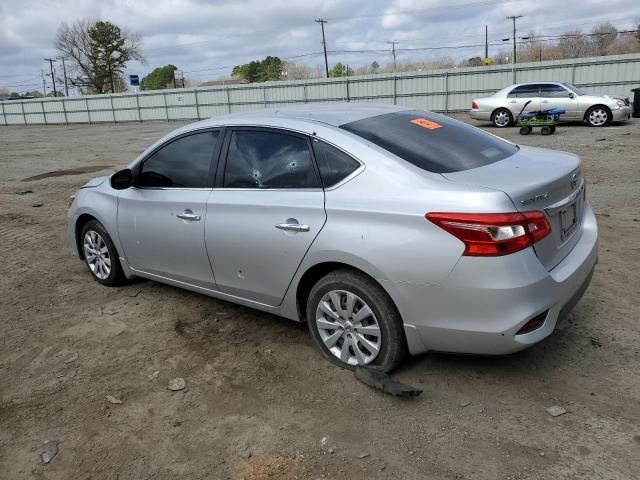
x=545 y=119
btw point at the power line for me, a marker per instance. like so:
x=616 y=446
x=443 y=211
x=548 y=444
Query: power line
x=27 y=82
x=292 y=57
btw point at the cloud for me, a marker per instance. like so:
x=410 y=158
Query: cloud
x=206 y=37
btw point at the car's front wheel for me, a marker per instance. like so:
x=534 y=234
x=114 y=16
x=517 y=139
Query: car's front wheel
x=501 y=118
x=354 y=322
x=100 y=254
x=598 y=116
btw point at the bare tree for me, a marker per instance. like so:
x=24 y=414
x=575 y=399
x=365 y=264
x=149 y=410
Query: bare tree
x=624 y=43
x=574 y=45
x=297 y=71
x=74 y=43
x=603 y=35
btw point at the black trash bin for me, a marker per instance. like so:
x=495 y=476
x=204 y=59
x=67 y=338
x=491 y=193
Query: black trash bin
x=636 y=102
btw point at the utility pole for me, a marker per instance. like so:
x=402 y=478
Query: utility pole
x=64 y=72
x=53 y=79
x=513 y=18
x=322 y=21
x=393 y=52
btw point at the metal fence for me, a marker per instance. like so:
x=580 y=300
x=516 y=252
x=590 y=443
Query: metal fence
x=438 y=90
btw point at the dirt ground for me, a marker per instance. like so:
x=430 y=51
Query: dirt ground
x=259 y=398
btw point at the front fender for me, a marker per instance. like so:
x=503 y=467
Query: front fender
x=101 y=204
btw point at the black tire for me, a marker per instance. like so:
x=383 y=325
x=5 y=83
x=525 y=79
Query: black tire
x=596 y=121
x=393 y=348
x=116 y=275
x=525 y=130
x=546 y=130
x=498 y=116
x=553 y=129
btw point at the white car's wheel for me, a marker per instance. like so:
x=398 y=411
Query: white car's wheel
x=501 y=118
x=598 y=116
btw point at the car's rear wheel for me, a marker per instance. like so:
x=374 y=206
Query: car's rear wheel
x=100 y=254
x=598 y=116
x=501 y=118
x=354 y=322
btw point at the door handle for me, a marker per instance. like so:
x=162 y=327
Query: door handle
x=512 y=101
x=293 y=227
x=545 y=101
x=189 y=215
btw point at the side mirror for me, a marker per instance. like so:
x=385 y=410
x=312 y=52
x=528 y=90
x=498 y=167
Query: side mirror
x=122 y=179
x=572 y=95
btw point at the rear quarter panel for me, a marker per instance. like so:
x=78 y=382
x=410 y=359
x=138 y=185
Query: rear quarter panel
x=376 y=223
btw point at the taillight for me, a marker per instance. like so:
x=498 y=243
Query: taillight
x=493 y=234
x=474 y=106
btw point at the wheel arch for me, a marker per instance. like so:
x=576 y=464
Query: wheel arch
x=81 y=221
x=601 y=105
x=315 y=272
x=495 y=110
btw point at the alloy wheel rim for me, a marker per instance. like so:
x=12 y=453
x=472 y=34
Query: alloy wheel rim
x=96 y=254
x=501 y=119
x=598 y=116
x=348 y=327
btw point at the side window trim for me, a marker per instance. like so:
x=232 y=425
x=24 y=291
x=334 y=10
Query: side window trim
x=214 y=161
x=224 y=155
x=516 y=92
x=346 y=179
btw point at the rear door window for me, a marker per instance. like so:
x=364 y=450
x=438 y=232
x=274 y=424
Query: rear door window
x=334 y=164
x=433 y=142
x=525 y=91
x=269 y=159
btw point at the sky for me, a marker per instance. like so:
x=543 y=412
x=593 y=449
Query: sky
x=206 y=39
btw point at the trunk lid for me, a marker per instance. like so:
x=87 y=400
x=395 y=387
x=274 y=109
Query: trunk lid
x=538 y=179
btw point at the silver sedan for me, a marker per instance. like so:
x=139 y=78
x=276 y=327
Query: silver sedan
x=388 y=230
x=503 y=107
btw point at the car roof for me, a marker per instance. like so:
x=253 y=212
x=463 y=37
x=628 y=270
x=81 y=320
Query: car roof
x=335 y=114
x=531 y=83
x=308 y=117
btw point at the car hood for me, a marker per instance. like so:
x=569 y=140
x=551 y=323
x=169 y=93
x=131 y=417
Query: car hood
x=598 y=97
x=94 y=182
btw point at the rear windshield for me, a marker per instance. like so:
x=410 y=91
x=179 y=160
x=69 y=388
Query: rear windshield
x=432 y=142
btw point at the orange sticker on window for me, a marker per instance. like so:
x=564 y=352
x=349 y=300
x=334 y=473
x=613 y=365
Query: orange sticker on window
x=423 y=122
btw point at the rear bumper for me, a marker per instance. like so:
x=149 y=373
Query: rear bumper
x=484 y=302
x=622 y=114
x=480 y=115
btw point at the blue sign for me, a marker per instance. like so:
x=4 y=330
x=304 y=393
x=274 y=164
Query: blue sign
x=134 y=80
